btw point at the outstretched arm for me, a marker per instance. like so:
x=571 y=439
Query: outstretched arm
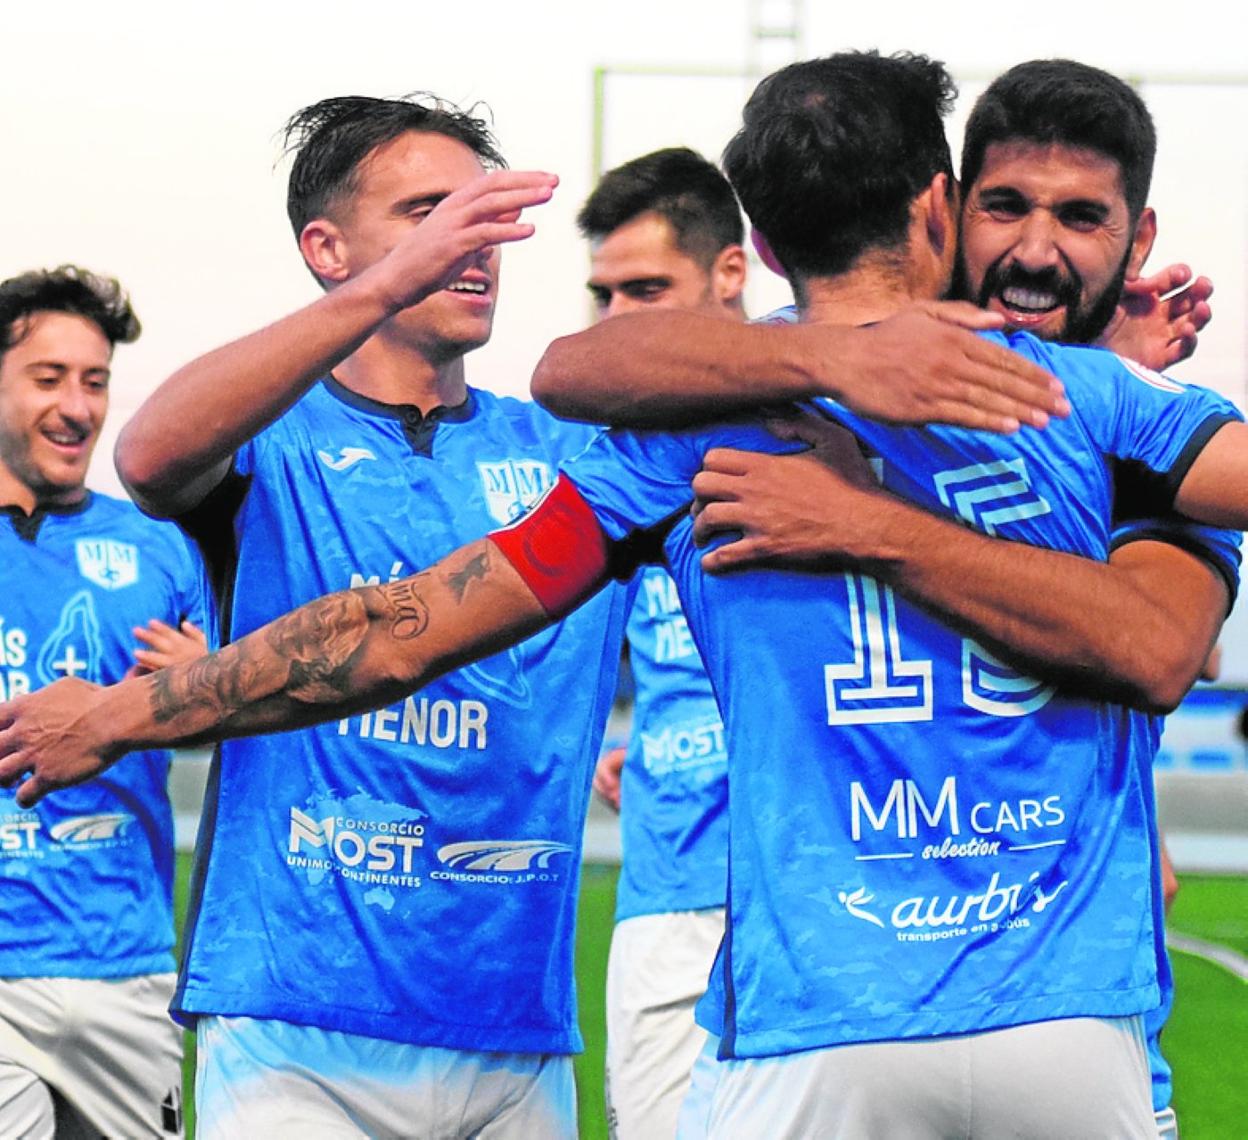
x=1136 y=630
x=337 y=655
x=920 y=366
x=179 y=444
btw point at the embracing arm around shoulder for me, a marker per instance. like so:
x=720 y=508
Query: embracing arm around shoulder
x=1136 y=629
x=664 y=369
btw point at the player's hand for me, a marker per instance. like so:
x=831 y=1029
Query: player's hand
x=805 y=511
x=923 y=365
x=1160 y=318
x=166 y=646
x=44 y=740
x=459 y=232
x=607 y=777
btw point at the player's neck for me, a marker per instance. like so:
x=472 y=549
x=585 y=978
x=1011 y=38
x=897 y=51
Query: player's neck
x=15 y=493
x=398 y=374
x=870 y=291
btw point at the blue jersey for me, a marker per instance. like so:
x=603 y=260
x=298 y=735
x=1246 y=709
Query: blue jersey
x=674 y=790
x=86 y=874
x=922 y=840
x=674 y=784
x=409 y=874
x=1220 y=550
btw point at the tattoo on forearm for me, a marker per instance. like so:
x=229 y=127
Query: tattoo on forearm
x=320 y=641
x=306 y=656
x=409 y=616
x=475 y=567
x=306 y=665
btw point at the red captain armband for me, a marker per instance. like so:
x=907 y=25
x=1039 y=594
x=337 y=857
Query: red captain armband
x=559 y=548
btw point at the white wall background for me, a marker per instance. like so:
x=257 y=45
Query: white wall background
x=140 y=137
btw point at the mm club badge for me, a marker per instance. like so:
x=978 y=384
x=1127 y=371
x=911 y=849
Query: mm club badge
x=108 y=563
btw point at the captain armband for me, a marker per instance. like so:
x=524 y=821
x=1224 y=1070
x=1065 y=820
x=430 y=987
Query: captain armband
x=559 y=548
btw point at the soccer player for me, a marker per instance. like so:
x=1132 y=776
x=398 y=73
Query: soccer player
x=1048 y=184
x=380 y=936
x=86 y=878
x=665 y=232
x=909 y=902
x=1056 y=167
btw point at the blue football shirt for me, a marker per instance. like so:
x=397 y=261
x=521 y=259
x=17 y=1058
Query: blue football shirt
x=674 y=784
x=411 y=873
x=86 y=875
x=922 y=840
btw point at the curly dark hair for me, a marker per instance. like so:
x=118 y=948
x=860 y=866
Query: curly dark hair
x=66 y=289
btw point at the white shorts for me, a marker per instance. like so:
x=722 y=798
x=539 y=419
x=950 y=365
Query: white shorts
x=1075 y=1078
x=262 y=1078
x=89 y=1056
x=656 y=973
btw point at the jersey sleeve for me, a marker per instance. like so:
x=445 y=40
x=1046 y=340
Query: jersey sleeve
x=1152 y=427
x=785 y=315
x=635 y=481
x=1220 y=550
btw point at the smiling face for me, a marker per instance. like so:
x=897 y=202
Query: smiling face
x=1047 y=239
x=53 y=399
x=397 y=187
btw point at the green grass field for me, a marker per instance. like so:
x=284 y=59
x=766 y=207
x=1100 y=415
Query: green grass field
x=1206 y=1039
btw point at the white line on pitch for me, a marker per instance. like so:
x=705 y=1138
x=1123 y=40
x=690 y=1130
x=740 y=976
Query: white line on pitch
x=1222 y=956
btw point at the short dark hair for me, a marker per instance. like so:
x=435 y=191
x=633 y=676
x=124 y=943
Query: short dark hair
x=66 y=289
x=679 y=185
x=1059 y=101
x=331 y=138
x=833 y=151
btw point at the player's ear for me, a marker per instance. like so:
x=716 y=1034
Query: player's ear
x=1142 y=242
x=728 y=274
x=937 y=206
x=768 y=256
x=324 y=249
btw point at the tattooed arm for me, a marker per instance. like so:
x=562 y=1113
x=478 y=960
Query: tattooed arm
x=338 y=655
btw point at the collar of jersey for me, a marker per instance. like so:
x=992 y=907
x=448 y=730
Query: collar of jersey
x=27 y=525
x=405 y=412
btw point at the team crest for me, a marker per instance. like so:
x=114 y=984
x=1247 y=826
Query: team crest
x=108 y=563
x=512 y=486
